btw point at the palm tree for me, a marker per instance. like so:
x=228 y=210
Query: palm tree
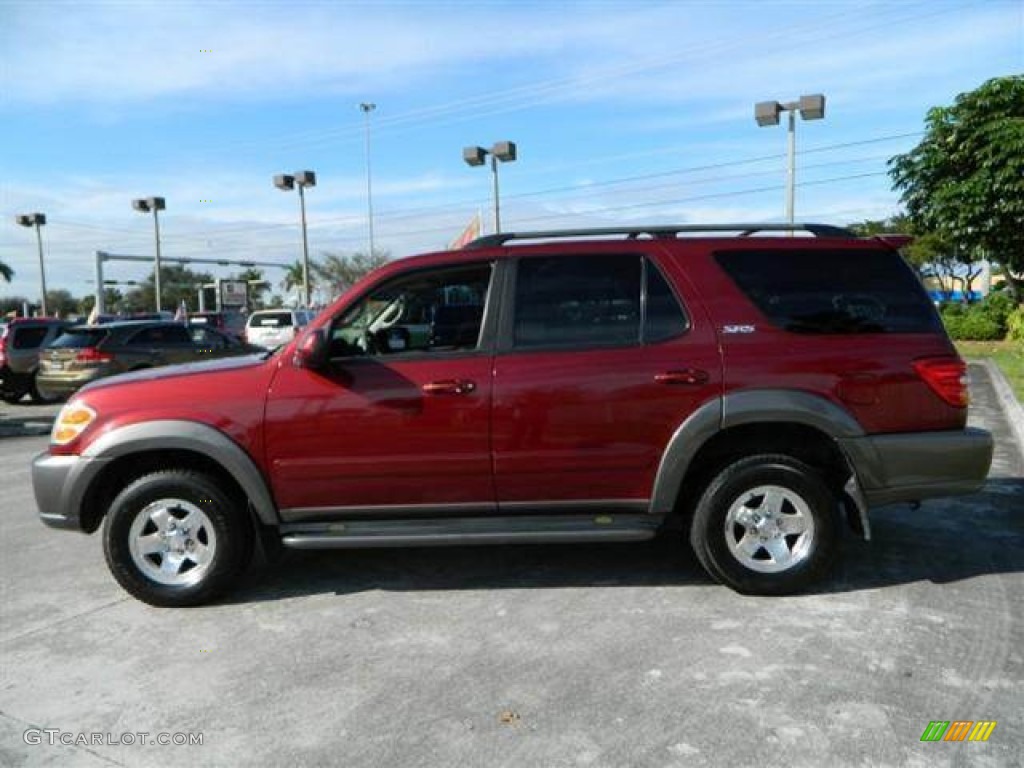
x=293 y=276
x=6 y=272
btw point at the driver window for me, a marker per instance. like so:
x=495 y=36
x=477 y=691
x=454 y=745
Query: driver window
x=425 y=312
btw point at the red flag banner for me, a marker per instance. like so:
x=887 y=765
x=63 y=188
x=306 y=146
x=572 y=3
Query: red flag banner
x=469 y=234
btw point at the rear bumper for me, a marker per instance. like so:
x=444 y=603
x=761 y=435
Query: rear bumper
x=921 y=465
x=65 y=384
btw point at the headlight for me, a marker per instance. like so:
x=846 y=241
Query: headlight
x=71 y=422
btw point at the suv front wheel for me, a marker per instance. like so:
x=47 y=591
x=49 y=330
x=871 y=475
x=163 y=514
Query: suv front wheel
x=766 y=525
x=174 y=538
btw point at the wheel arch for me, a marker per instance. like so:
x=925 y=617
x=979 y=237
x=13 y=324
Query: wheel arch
x=798 y=424
x=129 y=452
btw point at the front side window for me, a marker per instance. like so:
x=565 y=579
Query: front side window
x=593 y=300
x=425 y=312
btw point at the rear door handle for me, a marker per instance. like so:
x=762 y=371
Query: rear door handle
x=686 y=376
x=449 y=387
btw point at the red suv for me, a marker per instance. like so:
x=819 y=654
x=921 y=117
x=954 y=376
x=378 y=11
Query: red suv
x=591 y=385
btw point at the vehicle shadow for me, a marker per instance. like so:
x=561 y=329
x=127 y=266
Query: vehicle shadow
x=941 y=542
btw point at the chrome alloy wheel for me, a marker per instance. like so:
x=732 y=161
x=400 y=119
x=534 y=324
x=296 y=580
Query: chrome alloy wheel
x=172 y=542
x=769 y=529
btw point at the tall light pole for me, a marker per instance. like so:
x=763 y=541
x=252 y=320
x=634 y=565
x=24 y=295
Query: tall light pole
x=505 y=151
x=367 y=108
x=300 y=179
x=37 y=220
x=767 y=113
x=145 y=205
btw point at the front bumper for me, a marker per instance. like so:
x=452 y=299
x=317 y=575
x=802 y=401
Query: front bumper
x=60 y=483
x=920 y=465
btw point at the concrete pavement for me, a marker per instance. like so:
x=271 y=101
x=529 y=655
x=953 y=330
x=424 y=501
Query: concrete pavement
x=623 y=655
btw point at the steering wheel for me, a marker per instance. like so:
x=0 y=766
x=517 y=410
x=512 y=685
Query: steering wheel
x=390 y=316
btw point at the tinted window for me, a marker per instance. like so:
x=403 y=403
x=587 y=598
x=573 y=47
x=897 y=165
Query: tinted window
x=162 y=334
x=79 y=338
x=833 y=291
x=431 y=311
x=664 y=317
x=29 y=338
x=578 y=301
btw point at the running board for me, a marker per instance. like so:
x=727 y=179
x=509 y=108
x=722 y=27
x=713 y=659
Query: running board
x=361 y=534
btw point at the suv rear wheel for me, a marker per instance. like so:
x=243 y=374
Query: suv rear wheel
x=174 y=538
x=766 y=525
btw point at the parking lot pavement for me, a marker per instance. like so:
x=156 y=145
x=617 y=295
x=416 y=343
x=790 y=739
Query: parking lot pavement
x=613 y=655
x=24 y=418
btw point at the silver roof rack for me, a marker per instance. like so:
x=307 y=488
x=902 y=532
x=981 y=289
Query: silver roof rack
x=662 y=232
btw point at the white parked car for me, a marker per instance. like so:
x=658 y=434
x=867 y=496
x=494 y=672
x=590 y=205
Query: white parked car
x=273 y=327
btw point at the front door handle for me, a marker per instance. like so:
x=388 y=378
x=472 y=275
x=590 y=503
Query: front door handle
x=686 y=376
x=449 y=387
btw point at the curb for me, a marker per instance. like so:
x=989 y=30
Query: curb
x=1012 y=408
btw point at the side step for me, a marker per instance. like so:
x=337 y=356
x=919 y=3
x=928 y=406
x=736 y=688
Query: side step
x=360 y=534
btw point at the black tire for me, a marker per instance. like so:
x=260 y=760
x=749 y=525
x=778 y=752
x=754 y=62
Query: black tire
x=207 y=540
x=12 y=397
x=766 y=525
x=41 y=396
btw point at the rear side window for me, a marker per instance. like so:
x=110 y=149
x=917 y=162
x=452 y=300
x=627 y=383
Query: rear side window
x=29 y=338
x=593 y=300
x=833 y=291
x=578 y=301
x=80 y=338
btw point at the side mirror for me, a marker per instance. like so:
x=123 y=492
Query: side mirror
x=311 y=351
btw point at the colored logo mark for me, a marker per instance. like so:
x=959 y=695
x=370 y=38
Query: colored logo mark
x=958 y=730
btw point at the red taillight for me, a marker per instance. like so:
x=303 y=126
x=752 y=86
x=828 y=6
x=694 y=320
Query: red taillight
x=3 y=349
x=92 y=355
x=947 y=377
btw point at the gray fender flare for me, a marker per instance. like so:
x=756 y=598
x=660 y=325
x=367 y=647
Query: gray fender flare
x=195 y=437
x=737 y=409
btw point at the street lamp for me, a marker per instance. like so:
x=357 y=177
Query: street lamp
x=767 y=113
x=300 y=179
x=154 y=204
x=37 y=220
x=367 y=108
x=505 y=151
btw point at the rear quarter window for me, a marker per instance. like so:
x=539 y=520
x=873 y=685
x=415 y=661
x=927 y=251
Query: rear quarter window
x=833 y=291
x=29 y=338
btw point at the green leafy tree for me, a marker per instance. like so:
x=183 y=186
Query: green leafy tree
x=112 y=299
x=177 y=283
x=929 y=254
x=61 y=301
x=9 y=304
x=964 y=181
x=340 y=271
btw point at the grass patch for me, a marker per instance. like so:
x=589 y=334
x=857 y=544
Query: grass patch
x=1008 y=355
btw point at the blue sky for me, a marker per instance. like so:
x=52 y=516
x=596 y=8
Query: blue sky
x=624 y=112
